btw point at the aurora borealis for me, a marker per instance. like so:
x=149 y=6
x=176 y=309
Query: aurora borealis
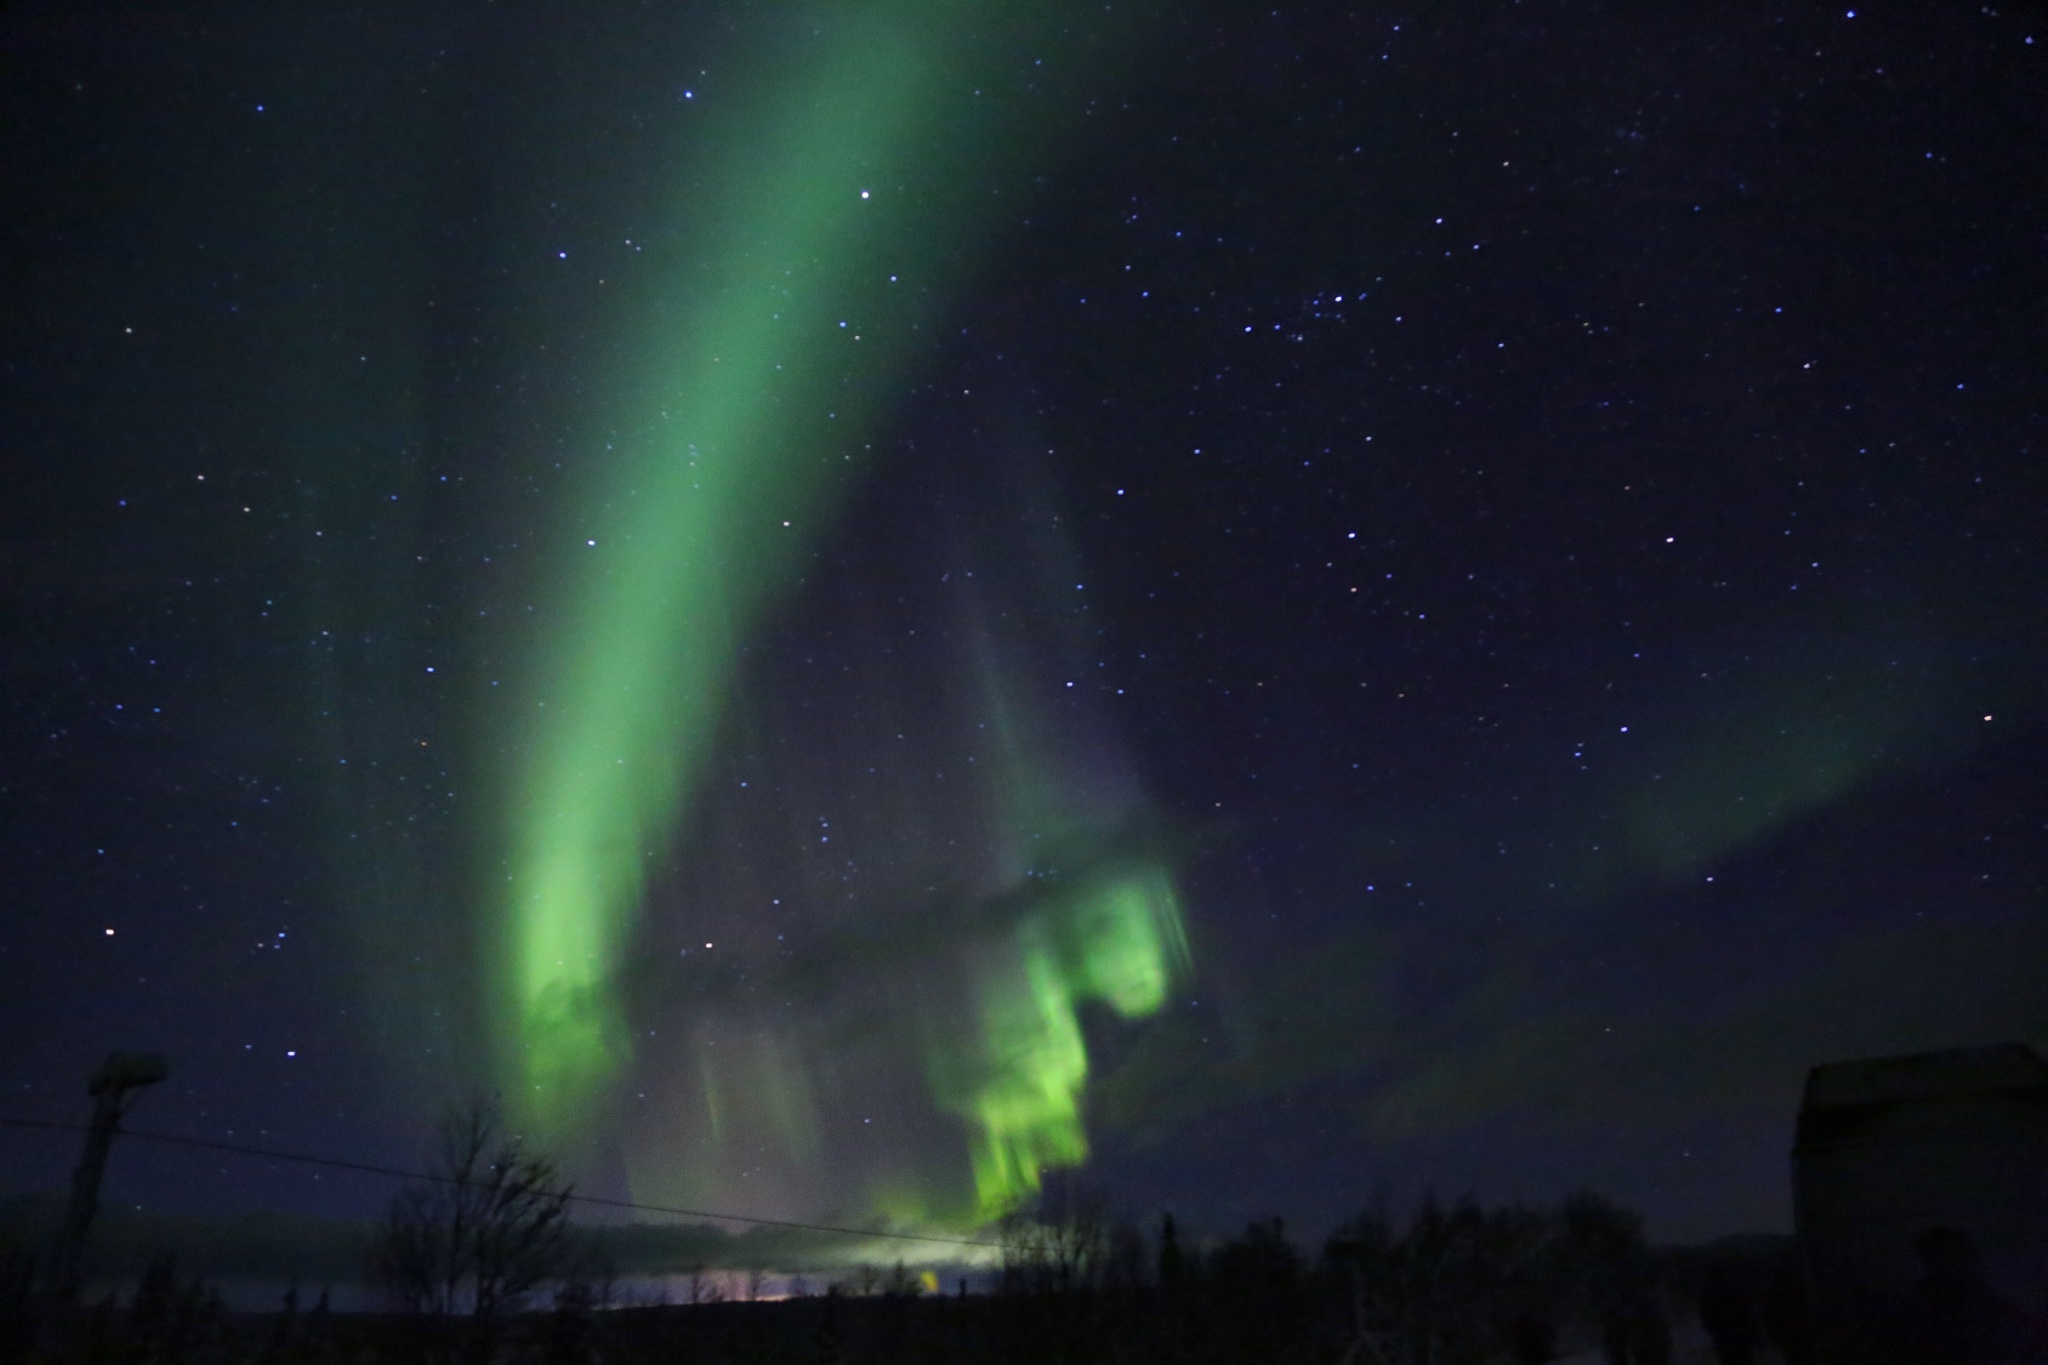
x=813 y=287
x=726 y=479
x=869 y=608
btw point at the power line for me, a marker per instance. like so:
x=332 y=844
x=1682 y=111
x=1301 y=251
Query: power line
x=365 y=1168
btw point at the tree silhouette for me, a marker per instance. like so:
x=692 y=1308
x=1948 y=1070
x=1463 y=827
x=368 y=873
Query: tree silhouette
x=465 y=1249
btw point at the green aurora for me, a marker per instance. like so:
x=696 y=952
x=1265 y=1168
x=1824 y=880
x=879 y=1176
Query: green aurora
x=1117 y=942
x=824 y=262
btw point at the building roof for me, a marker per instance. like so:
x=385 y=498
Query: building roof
x=1926 y=1076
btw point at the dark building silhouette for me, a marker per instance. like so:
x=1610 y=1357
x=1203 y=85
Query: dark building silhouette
x=1952 y=1316
x=1920 y=1192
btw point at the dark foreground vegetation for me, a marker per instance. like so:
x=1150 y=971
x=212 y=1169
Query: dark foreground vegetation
x=1454 y=1285
x=477 y=1263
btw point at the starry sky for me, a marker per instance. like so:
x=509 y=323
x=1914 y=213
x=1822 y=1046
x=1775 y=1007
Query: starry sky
x=858 y=607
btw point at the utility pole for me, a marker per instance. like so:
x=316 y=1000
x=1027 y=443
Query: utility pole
x=115 y=1087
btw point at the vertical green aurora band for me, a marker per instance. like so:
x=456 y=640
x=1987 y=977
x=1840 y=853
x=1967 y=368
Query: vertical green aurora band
x=818 y=258
x=718 y=494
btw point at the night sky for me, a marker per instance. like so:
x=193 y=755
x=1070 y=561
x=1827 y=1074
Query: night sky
x=852 y=604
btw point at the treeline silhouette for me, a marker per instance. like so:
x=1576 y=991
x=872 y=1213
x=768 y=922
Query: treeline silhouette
x=477 y=1263
x=1453 y=1284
